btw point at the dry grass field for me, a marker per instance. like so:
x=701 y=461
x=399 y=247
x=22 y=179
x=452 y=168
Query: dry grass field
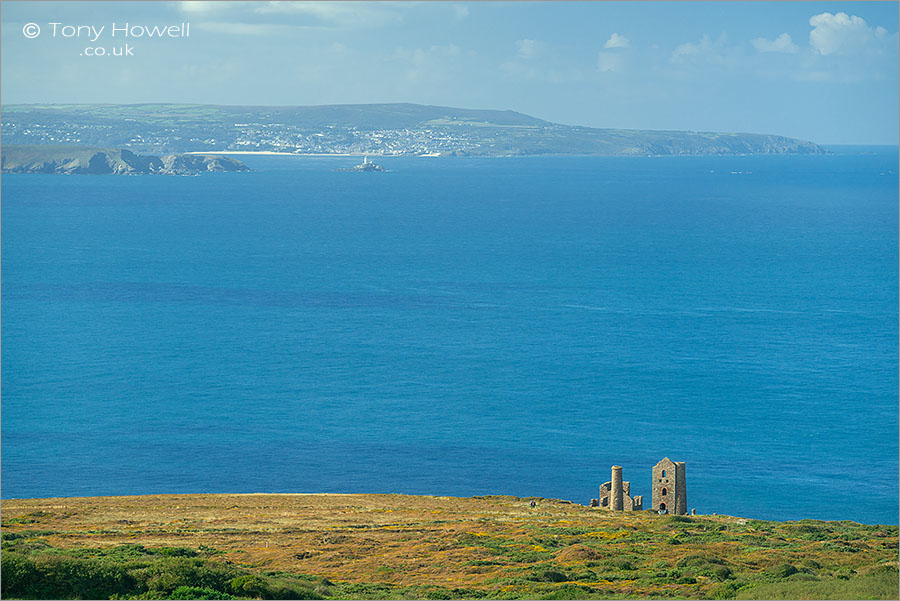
x=396 y=546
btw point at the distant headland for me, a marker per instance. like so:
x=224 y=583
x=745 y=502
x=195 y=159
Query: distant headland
x=358 y=129
x=76 y=160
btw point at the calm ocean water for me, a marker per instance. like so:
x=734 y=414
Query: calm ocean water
x=460 y=327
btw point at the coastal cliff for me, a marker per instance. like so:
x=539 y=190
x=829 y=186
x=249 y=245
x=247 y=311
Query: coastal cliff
x=70 y=160
x=358 y=546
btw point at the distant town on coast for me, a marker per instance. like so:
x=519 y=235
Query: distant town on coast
x=376 y=129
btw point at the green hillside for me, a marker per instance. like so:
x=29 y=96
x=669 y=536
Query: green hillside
x=417 y=547
x=390 y=129
x=372 y=116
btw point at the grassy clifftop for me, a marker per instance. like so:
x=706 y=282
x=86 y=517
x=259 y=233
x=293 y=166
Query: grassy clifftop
x=396 y=115
x=395 y=546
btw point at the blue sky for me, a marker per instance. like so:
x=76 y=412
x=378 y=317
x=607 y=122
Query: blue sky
x=821 y=71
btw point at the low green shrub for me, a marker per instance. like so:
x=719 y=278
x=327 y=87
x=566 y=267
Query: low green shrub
x=250 y=585
x=801 y=576
x=621 y=564
x=176 y=552
x=679 y=519
x=782 y=570
x=196 y=592
x=878 y=585
x=720 y=573
x=257 y=587
x=133 y=571
x=727 y=590
x=59 y=577
x=172 y=572
x=699 y=560
x=551 y=576
x=571 y=591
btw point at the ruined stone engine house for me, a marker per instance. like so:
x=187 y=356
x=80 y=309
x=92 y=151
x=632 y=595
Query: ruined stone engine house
x=669 y=490
x=669 y=487
x=616 y=495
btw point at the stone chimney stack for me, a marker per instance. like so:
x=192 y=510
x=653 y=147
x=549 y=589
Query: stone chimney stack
x=616 y=489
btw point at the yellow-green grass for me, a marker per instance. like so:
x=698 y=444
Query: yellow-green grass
x=397 y=546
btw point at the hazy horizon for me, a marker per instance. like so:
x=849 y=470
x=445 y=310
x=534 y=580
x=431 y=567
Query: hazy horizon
x=826 y=72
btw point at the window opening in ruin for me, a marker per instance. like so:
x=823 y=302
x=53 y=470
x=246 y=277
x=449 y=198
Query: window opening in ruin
x=664 y=473
x=663 y=492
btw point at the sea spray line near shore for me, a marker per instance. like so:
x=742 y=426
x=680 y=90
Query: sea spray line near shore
x=292 y=154
x=313 y=154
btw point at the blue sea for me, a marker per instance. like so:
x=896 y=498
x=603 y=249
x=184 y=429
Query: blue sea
x=460 y=326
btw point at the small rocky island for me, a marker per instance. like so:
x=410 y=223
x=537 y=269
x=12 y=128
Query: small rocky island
x=69 y=160
x=365 y=166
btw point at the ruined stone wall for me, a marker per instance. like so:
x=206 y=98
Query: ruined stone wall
x=680 y=489
x=603 y=498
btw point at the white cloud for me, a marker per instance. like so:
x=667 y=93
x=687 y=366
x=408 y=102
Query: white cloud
x=616 y=41
x=683 y=50
x=831 y=76
x=329 y=10
x=608 y=61
x=518 y=70
x=245 y=28
x=843 y=34
x=432 y=63
x=193 y=6
x=705 y=49
x=461 y=11
x=201 y=7
x=782 y=43
x=419 y=56
x=335 y=13
x=529 y=49
x=320 y=14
